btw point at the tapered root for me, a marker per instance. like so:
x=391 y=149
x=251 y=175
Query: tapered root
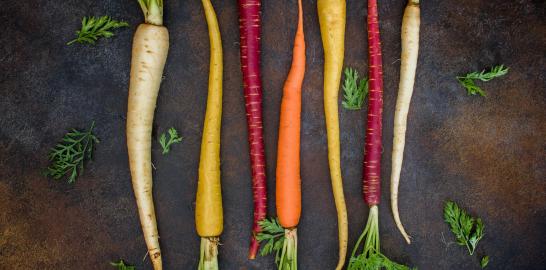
x=396 y=215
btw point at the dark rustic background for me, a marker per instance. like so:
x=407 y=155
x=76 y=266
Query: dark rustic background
x=488 y=154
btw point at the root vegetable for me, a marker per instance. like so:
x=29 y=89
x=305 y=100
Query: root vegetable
x=208 y=206
x=332 y=16
x=250 y=28
x=408 y=65
x=150 y=47
x=288 y=195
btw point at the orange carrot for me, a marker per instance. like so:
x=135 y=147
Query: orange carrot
x=288 y=192
x=288 y=195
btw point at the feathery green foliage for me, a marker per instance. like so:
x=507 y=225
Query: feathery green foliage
x=122 y=266
x=173 y=138
x=284 y=242
x=95 y=28
x=273 y=233
x=467 y=81
x=69 y=155
x=484 y=262
x=467 y=230
x=354 y=90
x=375 y=261
x=371 y=257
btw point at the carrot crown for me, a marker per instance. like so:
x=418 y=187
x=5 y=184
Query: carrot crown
x=153 y=11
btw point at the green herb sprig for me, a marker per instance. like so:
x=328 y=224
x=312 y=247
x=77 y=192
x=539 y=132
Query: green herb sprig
x=371 y=257
x=467 y=230
x=484 y=262
x=376 y=261
x=95 y=28
x=173 y=138
x=467 y=81
x=273 y=234
x=281 y=241
x=69 y=155
x=354 y=90
x=122 y=266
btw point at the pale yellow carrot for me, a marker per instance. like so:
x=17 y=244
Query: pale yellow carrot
x=408 y=65
x=150 y=47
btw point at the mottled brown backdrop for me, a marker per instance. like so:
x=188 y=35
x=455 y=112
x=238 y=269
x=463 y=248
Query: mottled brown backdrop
x=488 y=154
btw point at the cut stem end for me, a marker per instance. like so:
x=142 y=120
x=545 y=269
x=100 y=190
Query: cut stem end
x=288 y=260
x=153 y=11
x=208 y=255
x=370 y=235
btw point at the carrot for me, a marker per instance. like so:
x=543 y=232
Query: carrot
x=208 y=205
x=288 y=194
x=408 y=65
x=372 y=156
x=250 y=28
x=150 y=47
x=332 y=28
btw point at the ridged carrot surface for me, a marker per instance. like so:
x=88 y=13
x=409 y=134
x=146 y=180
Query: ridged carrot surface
x=209 y=217
x=408 y=66
x=250 y=31
x=374 y=128
x=332 y=17
x=288 y=181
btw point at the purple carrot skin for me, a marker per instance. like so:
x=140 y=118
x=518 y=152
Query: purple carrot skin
x=372 y=155
x=250 y=28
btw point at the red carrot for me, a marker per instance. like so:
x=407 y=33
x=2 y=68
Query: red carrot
x=372 y=156
x=250 y=28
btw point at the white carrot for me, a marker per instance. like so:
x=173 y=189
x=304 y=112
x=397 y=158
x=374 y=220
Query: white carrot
x=410 y=50
x=150 y=47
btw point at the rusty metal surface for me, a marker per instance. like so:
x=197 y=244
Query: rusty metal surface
x=488 y=154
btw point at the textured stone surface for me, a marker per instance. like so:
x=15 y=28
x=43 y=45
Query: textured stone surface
x=488 y=154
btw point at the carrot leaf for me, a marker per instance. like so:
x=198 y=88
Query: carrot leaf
x=279 y=240
x=69 y=155
x=95 y=28
x=467 y=81
x=370 y=257
x=375 y=261
x=354 y=90
x=467 y=230
x=484 y=262
x=122 y=266
x=273 y=234
x=173 y=138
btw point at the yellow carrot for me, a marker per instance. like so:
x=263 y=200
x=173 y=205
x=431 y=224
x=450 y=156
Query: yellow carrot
x=332 y=28
x=208 y=209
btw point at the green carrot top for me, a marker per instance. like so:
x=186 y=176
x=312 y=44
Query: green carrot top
x=153 y=11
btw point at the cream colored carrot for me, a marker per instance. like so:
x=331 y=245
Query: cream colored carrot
x=408 y=65
x=150 y=47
